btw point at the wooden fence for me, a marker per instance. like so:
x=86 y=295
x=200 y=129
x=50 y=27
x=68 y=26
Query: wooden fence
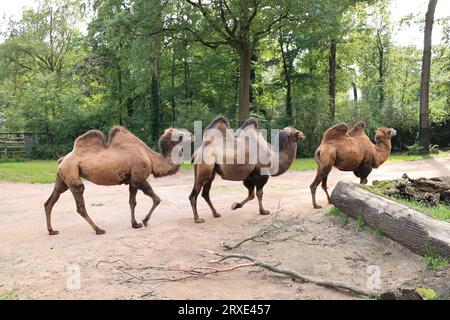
x=16 y=144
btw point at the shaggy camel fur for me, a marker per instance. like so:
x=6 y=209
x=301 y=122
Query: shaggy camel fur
x=240 y=167
x=350 y=150
x=124 y=159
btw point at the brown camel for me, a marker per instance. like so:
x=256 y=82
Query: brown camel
x=350 y=150
x=124 y=159
x=243 y=164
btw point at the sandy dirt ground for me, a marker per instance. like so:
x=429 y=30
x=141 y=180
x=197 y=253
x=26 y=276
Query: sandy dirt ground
x=40 y=266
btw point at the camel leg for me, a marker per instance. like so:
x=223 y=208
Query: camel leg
x=322 y=173
x=324 y=187
x=60 y=187
x=132 y=202
x=147 y=189
x=193 y=199
x=205 y=195
x=77 y=192
x=251 y=195
x=260 y=183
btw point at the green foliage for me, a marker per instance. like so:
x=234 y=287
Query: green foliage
x=50 y=151
x=436 y=262
x=427 y=294
x=152 y=64
x=360 y=223
x=340 y=214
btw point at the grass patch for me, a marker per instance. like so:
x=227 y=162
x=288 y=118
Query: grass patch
x=360 y=223
x=9 y=295
x=336 y=212
x=436 y=262
x=377 y=232
x=440 y=211
x=40 y=171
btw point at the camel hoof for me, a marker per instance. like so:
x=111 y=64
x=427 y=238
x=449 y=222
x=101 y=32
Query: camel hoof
x=216 y=215
x=235 y=206
x=264 y=212
x=53 y=232
x=199 y=220
x=145 y=222
x=317 y=207
x=99 y=231
x=136 y=225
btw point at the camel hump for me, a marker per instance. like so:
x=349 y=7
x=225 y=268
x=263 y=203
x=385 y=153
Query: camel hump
x=337 y=131
x=91 y=139
x=358 y=129
x=219 y=122
x=250 y=122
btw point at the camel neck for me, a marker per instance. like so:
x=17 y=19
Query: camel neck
x=162 y=165
x=285 y=157
x=383 y=149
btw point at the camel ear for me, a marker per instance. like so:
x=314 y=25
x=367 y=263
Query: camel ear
x=393 y=132
x=300 y=136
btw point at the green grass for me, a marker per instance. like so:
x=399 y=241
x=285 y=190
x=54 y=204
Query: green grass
x=436 y=262
x=9 y=295
x=40 y=171
x=336 y=212
x=44 y=171
x=360 y=223
x=440 y=211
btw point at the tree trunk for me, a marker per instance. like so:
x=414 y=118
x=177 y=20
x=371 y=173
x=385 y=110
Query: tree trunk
x=332 y=80
x=287 y=68
x=355 y=91
x=253 y=59
x=245 y=55
x=413 y=229
x=424 y=121
x=155 y=101
x=172 y=97
x=381 y=80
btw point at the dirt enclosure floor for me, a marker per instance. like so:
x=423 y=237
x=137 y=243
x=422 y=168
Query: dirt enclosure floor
x=122 y=263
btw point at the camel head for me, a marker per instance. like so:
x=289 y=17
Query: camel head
x=293 y=134
x=384 y=134
x=174 y=137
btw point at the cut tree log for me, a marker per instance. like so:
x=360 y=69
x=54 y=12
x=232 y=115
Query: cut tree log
x=415 y=230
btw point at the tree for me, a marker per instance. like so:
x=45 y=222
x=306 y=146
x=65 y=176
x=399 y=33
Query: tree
x=424 y=120
x=239 y=24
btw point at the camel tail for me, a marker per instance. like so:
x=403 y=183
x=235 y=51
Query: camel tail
x=60 y=160
x=317 y=156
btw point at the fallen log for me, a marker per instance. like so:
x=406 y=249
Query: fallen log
x=415 y=230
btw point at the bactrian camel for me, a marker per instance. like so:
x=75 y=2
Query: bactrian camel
x=350 y=150
x=123 y=159
x=252 y=173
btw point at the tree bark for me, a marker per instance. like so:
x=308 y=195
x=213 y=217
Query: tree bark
x=332 y=80
x=172 y=82
x=413 y=229
x=245 y=55
x=355 y=91
x=155 y=101
x=424 y=121
x=287 y=69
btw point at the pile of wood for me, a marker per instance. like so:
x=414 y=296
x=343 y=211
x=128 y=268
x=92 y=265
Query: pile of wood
x=430 y=191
